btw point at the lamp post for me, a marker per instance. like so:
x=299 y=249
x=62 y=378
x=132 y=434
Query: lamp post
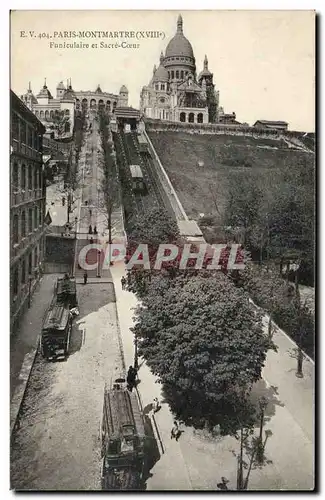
x=98 y=263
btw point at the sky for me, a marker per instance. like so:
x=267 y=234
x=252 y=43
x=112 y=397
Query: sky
x=263 y=61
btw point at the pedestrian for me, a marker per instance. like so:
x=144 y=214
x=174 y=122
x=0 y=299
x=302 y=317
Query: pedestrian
x=91 y=240
x=95 y=230
x=131 y=376
x=90 y=230
x=123 y=283
x=175 y=432
x=90 y=212
x=85 y=278
x=156 y=405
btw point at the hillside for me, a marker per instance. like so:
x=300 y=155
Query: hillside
x=199 y=165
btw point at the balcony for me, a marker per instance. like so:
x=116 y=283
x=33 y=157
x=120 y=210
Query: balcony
x=25 y=150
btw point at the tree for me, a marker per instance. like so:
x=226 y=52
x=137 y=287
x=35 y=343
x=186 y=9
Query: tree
x=155 y=226
x=203 y=340
x=109 y=182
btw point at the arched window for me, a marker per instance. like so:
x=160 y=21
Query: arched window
x=93 y=103
x=15 y=176
x=41 y=114
x=51 y=114
x=37 y=113
x=177 y=74
x=108 y=105
x=67 y=112
x=23 y=224
x=200 y=118
x=182 y=117
x=182 y=75
x=47 y=114
x=84 y=103
x=191 y=118
x=173 y=75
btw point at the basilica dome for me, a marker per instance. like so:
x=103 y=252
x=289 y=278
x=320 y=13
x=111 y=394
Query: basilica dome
x=179 y=44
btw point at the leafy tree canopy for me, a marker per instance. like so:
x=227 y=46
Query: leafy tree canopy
x=203 y=340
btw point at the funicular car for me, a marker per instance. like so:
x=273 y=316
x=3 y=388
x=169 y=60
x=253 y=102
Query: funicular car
x=56 y=332
x=138 y=184
x=122 y=439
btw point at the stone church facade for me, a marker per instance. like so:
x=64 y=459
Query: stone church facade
x=175 y=92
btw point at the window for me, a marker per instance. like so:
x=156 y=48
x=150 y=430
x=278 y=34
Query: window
x=162 y=86
x=173 y=75
x=30 y=220
x=35 y=257
x=182 y=75
x=23 y=224
x=15 y=176
x=35 y=217
x=15 y=229
x=35 y=140
x=23 y=270
x=30 y=177
x=23 y=177
x=30 y=263
x=15 y=281
x=67 y=112
x=40 y=218
x=177 y=74
x=35 y=178
x=22 y=132
x=157 y=86
x=15 y=126
x=162 y=100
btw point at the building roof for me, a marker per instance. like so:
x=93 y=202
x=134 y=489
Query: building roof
x=161 y=74
x=69 y=95
x=179 y=44
x=124 y=89
x=205 y=71
x=60 y=86
x=44 y=92
x=126 y=112
x=271 y=122
x=136 y=171
x=98 y=90
x=18 y=105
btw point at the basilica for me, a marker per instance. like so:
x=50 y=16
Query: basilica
x=175 y=92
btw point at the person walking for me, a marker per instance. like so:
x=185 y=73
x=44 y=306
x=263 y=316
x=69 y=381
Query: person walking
x=131 y=376
x=95 y=230
x=123 y=282
x=85 y=278
x=90 y=230
x=175 y=432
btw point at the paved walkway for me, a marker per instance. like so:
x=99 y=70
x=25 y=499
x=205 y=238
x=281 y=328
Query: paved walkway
x=196 y=461
x=24 y=341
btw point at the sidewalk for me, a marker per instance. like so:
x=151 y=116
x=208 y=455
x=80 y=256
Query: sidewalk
x=23 y=343
x=197 y=461
x=170 y=472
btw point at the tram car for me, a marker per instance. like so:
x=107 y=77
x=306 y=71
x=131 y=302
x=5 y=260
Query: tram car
x=138 y=184
x=122 y=439
x=56 y=332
